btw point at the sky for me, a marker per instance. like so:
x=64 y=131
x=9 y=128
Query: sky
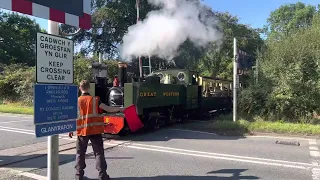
x=252 y=12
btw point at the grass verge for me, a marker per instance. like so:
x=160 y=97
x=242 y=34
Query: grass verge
x=16 y=108
x=224 y=126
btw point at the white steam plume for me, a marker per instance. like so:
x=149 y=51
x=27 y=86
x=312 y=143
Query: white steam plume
x=163 y=31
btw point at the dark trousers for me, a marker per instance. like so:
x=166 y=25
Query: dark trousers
x=97 y=145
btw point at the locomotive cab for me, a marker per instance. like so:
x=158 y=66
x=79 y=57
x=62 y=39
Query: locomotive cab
x=115 y=95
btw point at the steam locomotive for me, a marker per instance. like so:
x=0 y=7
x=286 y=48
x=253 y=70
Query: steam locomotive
x=160 y=98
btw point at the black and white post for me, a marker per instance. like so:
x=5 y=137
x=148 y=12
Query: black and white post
x=235 y=79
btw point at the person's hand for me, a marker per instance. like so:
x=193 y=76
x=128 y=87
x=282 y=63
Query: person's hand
x=70 y=134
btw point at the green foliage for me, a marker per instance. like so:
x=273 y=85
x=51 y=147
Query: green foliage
x=289 y=72
x=289 y=17
x=112 y=69
x=17 y=108
x=81 y=69
x=17 y=39
x=217 y=59
x=16 y=84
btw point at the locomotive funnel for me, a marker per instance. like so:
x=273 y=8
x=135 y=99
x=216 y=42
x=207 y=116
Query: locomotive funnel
x=122 y=73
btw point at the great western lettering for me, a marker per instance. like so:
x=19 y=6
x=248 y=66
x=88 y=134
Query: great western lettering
x=148 y=94
x=171 y=94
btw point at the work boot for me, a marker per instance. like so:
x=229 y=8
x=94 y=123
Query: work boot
x=105 y=177
x=77 y=177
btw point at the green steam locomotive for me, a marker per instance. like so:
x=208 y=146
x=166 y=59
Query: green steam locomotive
x=162 y=97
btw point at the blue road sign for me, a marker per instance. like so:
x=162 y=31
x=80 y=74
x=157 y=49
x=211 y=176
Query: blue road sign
x=55 y=109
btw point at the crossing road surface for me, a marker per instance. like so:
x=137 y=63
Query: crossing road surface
x=167 y=154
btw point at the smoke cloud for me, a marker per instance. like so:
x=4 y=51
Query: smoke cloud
x=163 y=31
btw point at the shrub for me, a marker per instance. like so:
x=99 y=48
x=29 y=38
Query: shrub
x=16 y=84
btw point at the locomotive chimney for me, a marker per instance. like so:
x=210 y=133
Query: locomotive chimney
x=122 y=73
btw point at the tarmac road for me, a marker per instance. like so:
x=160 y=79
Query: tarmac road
x=165 y=154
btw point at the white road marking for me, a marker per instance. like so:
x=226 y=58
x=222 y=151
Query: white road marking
x=257 y=136
x=200 y=132
x=208 y=153
x=16 y=116
x=306 y=167
x=8 y=122
x=18 y=129
x=314 y=153
x=312 y=142
x=34 y=176
x=22 y=131
x=26 y=174
x=315 y=174
x=313 y=148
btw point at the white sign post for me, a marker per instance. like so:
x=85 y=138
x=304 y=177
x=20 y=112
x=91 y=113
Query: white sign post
x=54 y=59
x=235 y=79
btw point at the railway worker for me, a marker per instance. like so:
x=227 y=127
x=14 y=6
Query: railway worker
x=90 y=126
x=115 y=81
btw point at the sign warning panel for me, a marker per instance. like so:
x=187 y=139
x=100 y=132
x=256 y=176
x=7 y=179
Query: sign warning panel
x=54 y=59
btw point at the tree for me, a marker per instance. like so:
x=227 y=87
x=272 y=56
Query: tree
x=17 y=39
x=288 y=18
x=288 y=86
x=81 y=68
x=111 y=20
x=218 y=58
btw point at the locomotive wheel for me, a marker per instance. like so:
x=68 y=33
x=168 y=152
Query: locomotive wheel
x=152 y=123
x=184 y=118
x=170 y=119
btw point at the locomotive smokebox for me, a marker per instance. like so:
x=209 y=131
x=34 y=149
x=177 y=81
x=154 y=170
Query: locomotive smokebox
x=122 y=73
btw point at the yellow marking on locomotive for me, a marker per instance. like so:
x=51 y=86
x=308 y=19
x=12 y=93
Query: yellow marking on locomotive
x=148 y=94
x=171 y=94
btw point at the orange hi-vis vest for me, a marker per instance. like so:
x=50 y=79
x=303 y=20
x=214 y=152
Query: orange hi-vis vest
x=89 y=122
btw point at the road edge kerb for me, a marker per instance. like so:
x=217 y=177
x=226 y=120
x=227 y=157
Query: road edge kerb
x=256 y=133
x=15 y=114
